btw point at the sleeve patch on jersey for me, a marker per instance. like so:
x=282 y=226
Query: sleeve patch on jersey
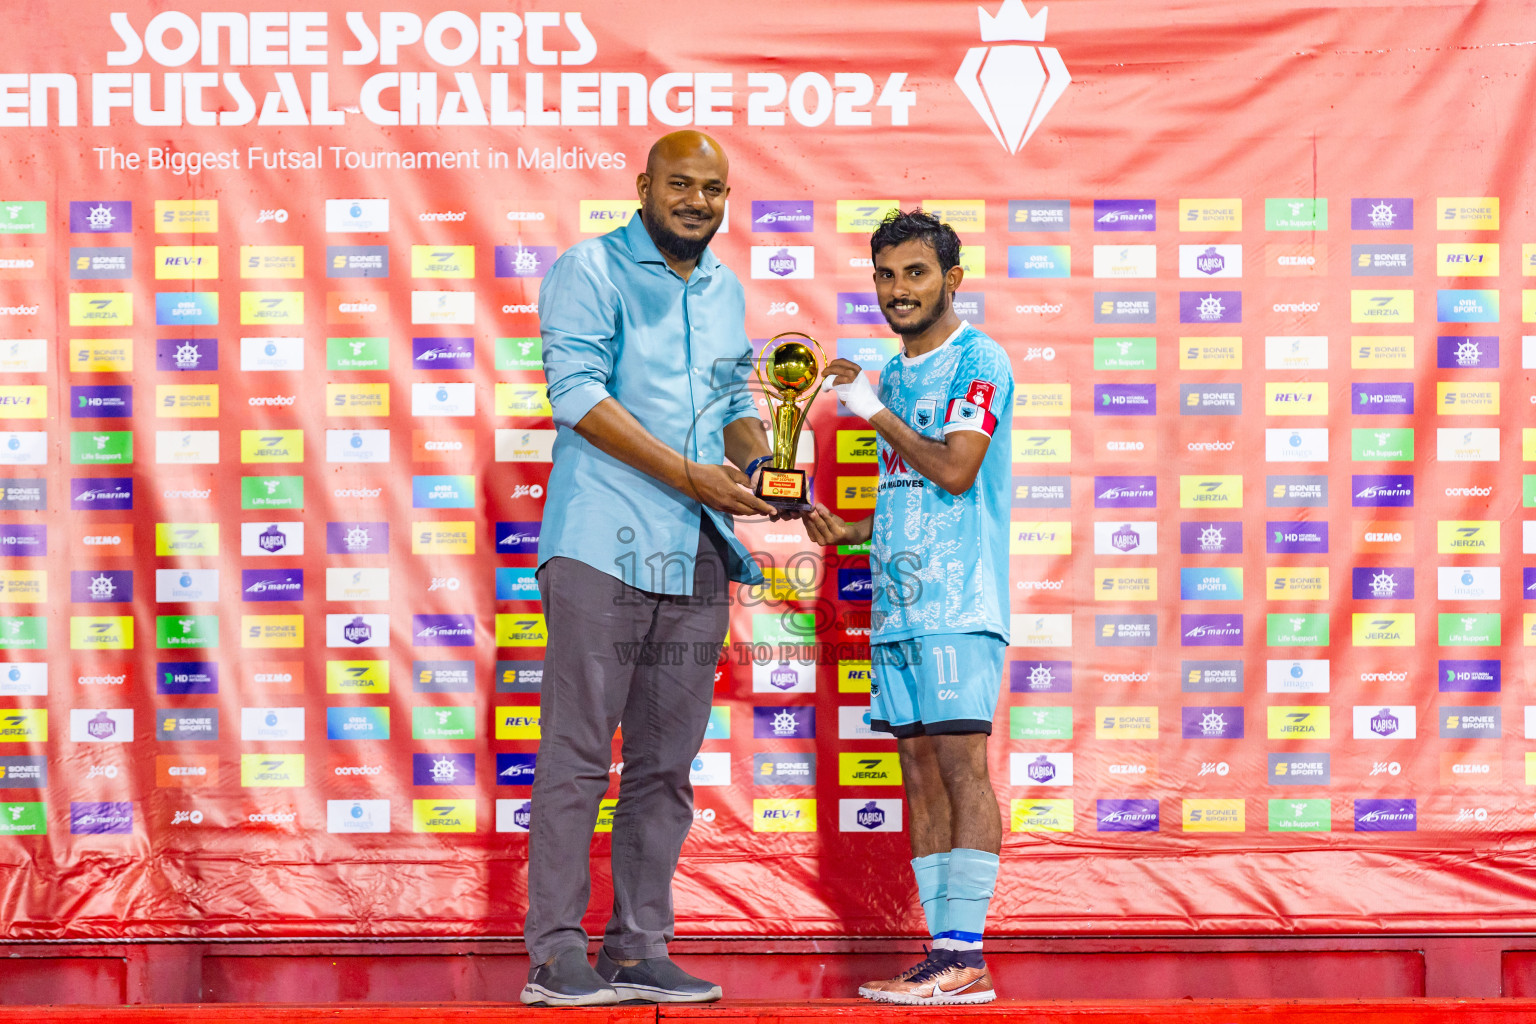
x=981 y=393
x=963 y=414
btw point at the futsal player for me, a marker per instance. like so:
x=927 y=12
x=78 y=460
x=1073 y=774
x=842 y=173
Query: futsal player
x=939 y=560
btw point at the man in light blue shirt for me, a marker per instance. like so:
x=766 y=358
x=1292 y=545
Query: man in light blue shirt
x=647 y=361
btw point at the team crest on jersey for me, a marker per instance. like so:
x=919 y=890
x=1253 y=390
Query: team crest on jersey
x=923 y=412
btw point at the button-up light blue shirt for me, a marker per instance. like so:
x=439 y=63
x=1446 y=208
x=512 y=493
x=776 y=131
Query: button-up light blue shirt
x=618 y=322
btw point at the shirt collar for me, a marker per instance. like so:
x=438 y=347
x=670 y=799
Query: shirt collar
x=643 y=249
x=907 y=360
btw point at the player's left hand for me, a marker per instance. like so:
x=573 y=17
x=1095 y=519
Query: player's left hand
x=841 y=371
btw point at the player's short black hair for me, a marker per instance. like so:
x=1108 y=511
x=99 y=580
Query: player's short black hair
x=898 y=227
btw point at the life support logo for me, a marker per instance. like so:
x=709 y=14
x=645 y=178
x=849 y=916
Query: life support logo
x=1012 y=87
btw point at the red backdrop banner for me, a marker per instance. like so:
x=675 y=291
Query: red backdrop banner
x=273 y=440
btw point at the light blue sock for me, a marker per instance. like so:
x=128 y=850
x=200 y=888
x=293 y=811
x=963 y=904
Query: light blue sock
x=972 y=880
x=932 y=874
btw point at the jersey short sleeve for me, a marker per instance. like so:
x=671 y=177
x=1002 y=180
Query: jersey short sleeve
x=982 y=381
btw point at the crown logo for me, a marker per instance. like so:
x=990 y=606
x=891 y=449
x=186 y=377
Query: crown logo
x=1012 y=23
x=1010 y=86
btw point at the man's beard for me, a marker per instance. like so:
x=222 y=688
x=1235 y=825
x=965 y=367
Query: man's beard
x=912 y=330
x=679 y=248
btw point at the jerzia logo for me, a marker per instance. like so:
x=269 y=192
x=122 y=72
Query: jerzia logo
x=1012 y=87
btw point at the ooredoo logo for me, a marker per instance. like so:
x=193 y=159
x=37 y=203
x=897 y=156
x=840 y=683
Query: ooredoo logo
x=1012 y=87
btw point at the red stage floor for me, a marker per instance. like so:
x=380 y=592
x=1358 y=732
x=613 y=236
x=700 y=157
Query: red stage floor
x=402 y=973
x=480 y=977
x=1183 y=1011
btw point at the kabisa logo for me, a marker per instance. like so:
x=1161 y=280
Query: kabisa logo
x=1041 y=769
x=870 y=816
x=1012 y=87
x=784 y=677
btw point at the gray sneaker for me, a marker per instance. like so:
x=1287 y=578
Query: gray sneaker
x=656 y=980
x=567 y=980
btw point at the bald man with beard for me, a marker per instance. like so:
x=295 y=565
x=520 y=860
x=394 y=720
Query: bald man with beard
x=647 y=360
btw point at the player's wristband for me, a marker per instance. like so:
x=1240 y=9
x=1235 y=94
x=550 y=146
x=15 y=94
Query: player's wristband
x=755 y=464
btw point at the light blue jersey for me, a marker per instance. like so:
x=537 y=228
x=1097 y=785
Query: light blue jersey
x=939 y=560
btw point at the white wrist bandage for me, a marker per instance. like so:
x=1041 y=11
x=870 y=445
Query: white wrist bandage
x=860 y=398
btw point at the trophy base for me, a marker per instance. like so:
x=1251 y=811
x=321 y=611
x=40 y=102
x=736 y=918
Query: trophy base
x=784 y=489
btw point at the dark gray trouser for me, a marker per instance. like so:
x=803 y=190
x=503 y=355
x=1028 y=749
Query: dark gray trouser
x=589 y=689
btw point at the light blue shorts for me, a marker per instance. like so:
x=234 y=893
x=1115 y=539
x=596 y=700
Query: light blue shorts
x=941 y=683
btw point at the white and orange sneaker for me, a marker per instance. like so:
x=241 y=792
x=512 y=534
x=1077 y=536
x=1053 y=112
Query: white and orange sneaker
x=943 y=980
x=869 y=989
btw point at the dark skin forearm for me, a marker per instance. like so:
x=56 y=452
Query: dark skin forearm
x=952 y=463
x=745 y=440
x=613 y=430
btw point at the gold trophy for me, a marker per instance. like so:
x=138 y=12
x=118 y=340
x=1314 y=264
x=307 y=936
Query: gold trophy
x=791 y=370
